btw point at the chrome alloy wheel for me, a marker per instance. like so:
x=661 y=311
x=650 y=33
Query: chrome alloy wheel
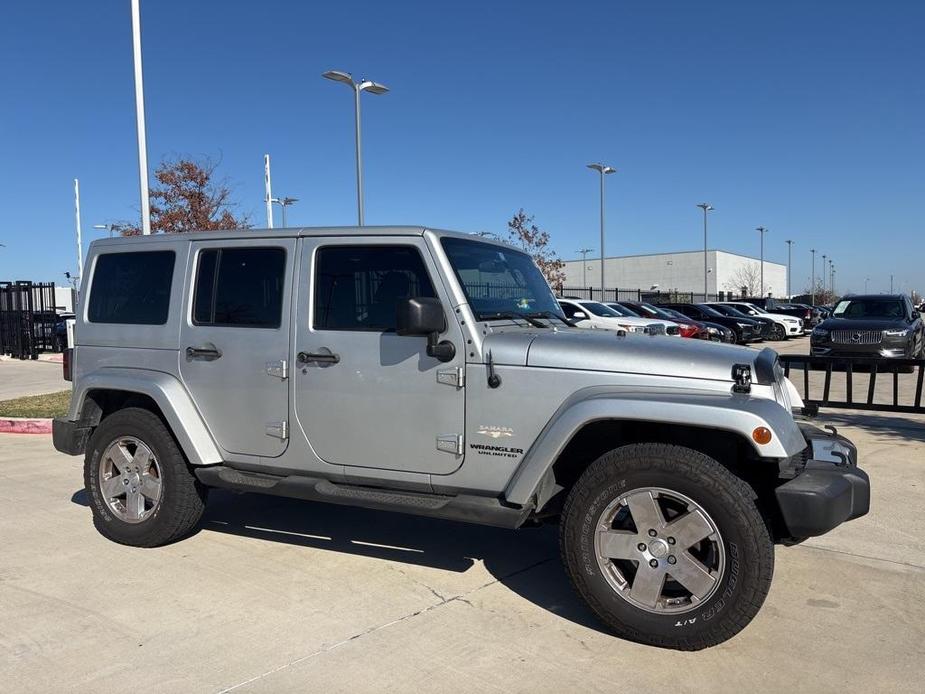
x=130 y=479
x=659 y=550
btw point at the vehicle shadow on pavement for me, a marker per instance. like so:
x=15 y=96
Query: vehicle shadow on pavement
x=526 y=561
x=901 y=428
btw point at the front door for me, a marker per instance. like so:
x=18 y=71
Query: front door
x=234 y=342
x=365 y=396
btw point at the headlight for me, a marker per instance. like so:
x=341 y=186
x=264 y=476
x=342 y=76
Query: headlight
x=820 y=332
x=713 y=331
x=744 y=325
x=896 y=333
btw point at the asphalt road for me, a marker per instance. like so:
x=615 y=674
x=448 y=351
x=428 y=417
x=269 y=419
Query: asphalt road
x=273 y=595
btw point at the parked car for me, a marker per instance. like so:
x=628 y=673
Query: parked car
x=874 y=325
x=59 y=337
x=706 y=329
x=783 y=326
x=806 y=313
x=594 y=314
x=745 y=329
x=686 y=327
x=671 y=327
x=384 y=368
x=766 y=326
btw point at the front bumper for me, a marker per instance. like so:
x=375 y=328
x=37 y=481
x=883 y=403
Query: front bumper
x=828 y=487
x=882 y=350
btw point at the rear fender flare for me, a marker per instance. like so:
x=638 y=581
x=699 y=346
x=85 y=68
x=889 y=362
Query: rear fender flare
x=168 y=393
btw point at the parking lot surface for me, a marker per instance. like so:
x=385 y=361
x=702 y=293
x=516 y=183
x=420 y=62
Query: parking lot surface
x=274 y=595
x=19 y=378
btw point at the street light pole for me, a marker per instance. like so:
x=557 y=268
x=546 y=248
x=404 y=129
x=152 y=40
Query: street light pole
x=584 y=266
x=284 y=203
x=761 y=232
x=812 y=282
x=603 y=170
x=824 y=283
x=789 y=249
x=140 y=120
x=362 y=86
x=80 y=253
x=706 y=207
x=109 y=227
x=831 y=274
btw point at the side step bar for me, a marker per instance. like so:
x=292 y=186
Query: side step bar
x=483 y=510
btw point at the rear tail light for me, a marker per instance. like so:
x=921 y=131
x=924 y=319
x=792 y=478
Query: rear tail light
x=67 y=364
x=809 y=314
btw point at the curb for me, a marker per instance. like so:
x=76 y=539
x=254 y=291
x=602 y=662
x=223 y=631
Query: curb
x=20 y=425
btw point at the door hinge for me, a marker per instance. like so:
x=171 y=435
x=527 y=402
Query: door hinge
x=279 y=368
x=455 y=377
x=450 y=443
x=279 y=430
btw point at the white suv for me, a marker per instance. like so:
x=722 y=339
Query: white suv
x=790 y=326
x=594 y=314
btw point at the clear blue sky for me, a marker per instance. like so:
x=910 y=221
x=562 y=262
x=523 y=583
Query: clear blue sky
x=805 y=117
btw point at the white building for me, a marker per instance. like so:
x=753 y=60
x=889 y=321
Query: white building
x=683 y=272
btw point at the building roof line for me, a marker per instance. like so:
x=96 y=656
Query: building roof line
x=698 y=252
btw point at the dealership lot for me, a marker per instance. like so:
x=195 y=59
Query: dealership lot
x=279 y=595
x=19 y=378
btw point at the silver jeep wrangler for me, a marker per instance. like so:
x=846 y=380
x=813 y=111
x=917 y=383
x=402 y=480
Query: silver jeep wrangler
x=430 y=372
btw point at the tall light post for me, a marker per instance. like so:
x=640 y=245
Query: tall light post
x=284 y=203
x=80 y=252
x=706 y=207
x=363 y=85
x=831 y=275
x=789 y=249
x=584 y=265
x=603 y=170
x=761 y=232
x=140 y=121
x=866 y=280
x=812 y=281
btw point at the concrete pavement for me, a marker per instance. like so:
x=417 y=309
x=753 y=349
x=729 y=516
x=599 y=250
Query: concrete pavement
x=276 y=595
x=19 y=378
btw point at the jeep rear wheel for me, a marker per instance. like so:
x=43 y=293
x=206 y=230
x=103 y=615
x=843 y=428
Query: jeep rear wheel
x=666 y=546
x=141 y=489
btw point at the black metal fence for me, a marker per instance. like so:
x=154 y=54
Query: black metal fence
x=27 y=318
x=896 y=372
x=636 y=295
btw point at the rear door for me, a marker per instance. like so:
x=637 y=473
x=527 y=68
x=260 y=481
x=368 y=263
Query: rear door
x=234 y=341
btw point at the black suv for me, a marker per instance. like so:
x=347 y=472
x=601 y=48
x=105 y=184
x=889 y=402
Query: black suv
x=877 y=325
x=745 y=329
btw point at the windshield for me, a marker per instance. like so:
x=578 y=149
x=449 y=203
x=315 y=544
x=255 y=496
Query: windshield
x=730 y=311
x=622 y=310
x=499 y=281
x=710 y=311
x=599 y=309
x=869 y=308
x=655 y=311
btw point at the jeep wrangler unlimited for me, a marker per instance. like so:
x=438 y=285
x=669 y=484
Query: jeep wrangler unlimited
x=430 y=372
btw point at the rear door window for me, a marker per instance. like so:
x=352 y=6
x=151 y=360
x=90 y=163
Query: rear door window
x=131 y=288
x=240 y=287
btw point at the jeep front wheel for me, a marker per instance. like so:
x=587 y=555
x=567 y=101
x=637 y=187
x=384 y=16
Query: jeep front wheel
x=666 y=546
x=140 y=487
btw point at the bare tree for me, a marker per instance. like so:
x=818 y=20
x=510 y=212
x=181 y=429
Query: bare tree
x=187 y=198
x=745 y=280
x=523 y=232
x=822 y=294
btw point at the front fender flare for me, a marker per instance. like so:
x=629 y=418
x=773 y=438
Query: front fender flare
x=739 y=414
x=172 y=399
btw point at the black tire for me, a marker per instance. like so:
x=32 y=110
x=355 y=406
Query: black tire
x=726 y=499
x=182 y=497
x=779 y=332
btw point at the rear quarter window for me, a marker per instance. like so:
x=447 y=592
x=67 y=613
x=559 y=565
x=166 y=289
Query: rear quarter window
x=131 y=288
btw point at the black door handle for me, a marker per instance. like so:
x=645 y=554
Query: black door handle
x=318 y=358
x=205 y=353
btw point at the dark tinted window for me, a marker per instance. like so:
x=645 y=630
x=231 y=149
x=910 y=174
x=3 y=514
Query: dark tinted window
x=131 y=288
x=359 y=287
x=569 y=309
x=241 y=287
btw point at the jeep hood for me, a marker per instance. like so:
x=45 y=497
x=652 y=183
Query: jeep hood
x=605 y=350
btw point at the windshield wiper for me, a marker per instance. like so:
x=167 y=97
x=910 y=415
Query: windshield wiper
x=501 y=315
x=551 y=314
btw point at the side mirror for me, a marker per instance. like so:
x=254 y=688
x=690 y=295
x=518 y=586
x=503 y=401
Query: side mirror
x=423 y=316
x=579 y=315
